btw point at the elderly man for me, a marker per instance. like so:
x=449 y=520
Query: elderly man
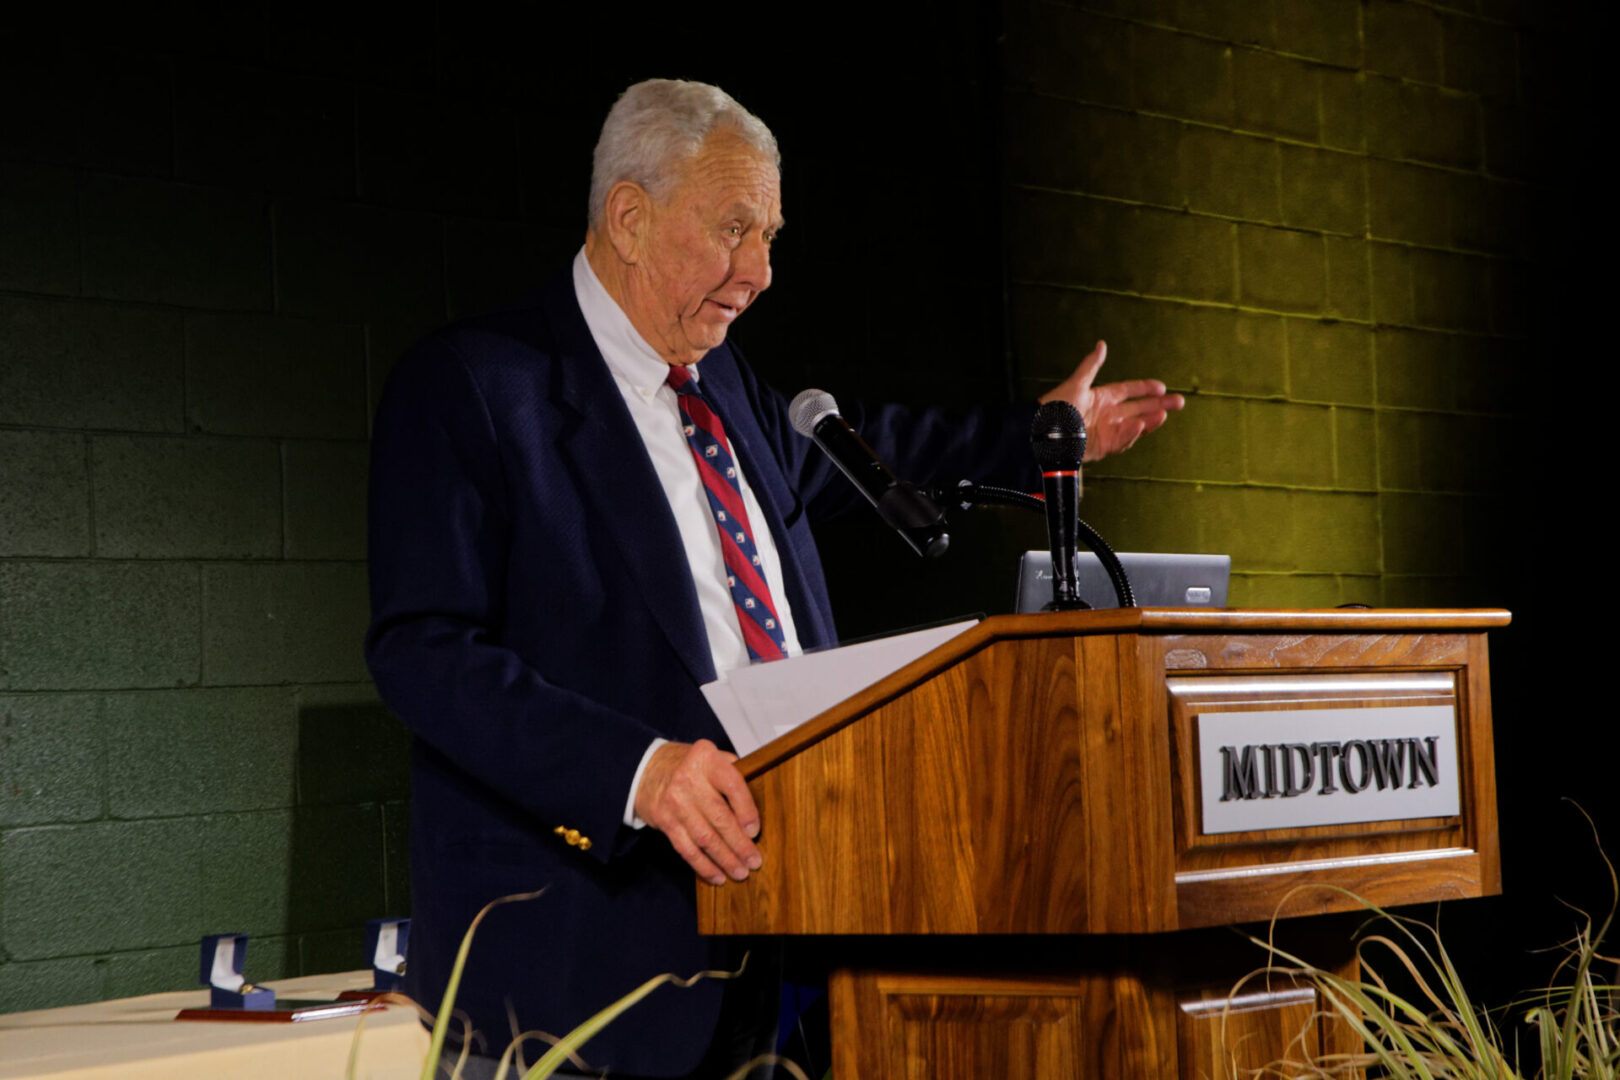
x=583 y=508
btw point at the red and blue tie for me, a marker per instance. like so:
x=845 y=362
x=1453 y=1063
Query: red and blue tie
x=745 y=575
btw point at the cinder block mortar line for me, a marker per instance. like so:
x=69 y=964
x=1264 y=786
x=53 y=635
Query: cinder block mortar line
x=90 y=492
x=231 y=436
x=1201 y=35
x=103 y=954
x=1285 y=140
x=294 y=807
x=1449 y=493
x=102 y=763
x=1186 y=301
x=1313 y=60
x=1415 y=410
x=1194 y=394
x=200 y=561
x=1288 y=140
x=1234 y=259
x=209 y=688
x=1075 y=193
x=1378 y=504
x=1333 y=431
x=1253 y=485
x=1277 y=177
x=1449 y=9
x=1246 y=309
x=81 y=300
x=1307 y=573
x=1397 y=576
x=202 y=623
x=221 y=436
x=1365 y=166
x=1367 y=266
x=281 y=493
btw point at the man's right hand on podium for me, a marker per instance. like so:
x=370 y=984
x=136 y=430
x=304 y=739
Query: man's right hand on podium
x=693 y=794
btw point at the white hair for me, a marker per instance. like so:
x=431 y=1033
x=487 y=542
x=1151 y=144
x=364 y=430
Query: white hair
x=658 y=124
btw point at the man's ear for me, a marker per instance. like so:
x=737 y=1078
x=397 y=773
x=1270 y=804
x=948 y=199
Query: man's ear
x=627 y=216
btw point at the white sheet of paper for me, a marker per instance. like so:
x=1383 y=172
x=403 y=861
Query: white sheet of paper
x=761 y=702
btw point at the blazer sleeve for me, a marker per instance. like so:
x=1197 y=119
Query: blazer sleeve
x=924 y=446
x=439 y=538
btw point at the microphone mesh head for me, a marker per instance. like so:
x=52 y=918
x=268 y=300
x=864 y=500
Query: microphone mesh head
x=1058 y=436
x=808 y=408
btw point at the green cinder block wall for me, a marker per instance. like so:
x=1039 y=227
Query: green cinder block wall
x=1311 y=216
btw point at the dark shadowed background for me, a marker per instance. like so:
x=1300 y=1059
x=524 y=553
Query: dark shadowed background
x=1354 y=233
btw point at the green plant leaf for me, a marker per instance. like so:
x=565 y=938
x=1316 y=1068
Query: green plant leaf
x=570 y=1043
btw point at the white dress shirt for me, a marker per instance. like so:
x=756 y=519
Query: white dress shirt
x=640 y=375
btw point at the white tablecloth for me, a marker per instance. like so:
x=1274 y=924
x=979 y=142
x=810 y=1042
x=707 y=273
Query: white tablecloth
x=139 y=1039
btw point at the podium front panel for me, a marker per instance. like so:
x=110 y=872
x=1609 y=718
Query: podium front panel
x=1315 y=855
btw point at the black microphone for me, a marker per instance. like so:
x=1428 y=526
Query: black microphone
x=906 y=510
x=1058 y=437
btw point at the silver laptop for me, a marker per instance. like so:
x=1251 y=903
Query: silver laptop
x=1157 y=580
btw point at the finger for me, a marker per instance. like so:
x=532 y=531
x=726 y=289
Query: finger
x=1130 y=389
x=1128 y=433
x=1087 y=371
x=1152 y=422
x=722 y=817
x=688 y=849
x=1125 y=410
x=730 y=783
x=713 y=827
x=720 y=777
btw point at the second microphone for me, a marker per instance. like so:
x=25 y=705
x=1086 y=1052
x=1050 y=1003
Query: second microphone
x=908 y=511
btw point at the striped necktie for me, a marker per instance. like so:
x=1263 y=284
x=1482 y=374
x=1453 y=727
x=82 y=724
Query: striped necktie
x=745 y=575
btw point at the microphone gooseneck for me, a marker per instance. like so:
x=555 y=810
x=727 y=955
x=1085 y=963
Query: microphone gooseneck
x=1058 y=437
x=967 y=495
x=814 y=414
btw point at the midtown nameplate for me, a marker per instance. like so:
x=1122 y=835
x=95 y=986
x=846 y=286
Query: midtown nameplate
x=1286 y=768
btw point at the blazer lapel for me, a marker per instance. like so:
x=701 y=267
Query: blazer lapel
x=621 y=488
x=801 y=569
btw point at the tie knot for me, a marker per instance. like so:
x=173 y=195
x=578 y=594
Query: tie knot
x=679 y=379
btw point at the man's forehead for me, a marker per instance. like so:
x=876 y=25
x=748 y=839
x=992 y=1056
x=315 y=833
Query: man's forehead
x=728 y=172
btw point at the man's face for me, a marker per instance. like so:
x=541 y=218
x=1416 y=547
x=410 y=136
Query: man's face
x=707 y=252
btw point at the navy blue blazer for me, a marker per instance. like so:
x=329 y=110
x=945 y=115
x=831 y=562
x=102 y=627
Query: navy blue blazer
x=535 y=625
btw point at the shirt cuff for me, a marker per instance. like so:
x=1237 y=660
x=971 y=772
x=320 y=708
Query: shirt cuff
x=630 y=817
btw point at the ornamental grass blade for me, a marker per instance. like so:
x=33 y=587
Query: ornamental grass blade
x=743 y=1072
x=441 y=1023
x=571 y=1042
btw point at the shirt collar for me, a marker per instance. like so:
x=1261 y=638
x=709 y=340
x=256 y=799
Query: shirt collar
x=628 y=356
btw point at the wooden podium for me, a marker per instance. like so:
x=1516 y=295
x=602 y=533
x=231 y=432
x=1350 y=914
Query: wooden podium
x=1007 y=853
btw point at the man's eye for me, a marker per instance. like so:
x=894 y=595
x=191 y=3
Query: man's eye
x=770 y=238
x=733 y=230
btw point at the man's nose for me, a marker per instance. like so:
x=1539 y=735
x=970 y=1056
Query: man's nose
x=752 y=263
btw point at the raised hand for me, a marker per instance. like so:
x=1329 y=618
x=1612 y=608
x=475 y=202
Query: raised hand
x=1116 y=414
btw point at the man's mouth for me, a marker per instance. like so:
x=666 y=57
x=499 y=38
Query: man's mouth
x=725 y=310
